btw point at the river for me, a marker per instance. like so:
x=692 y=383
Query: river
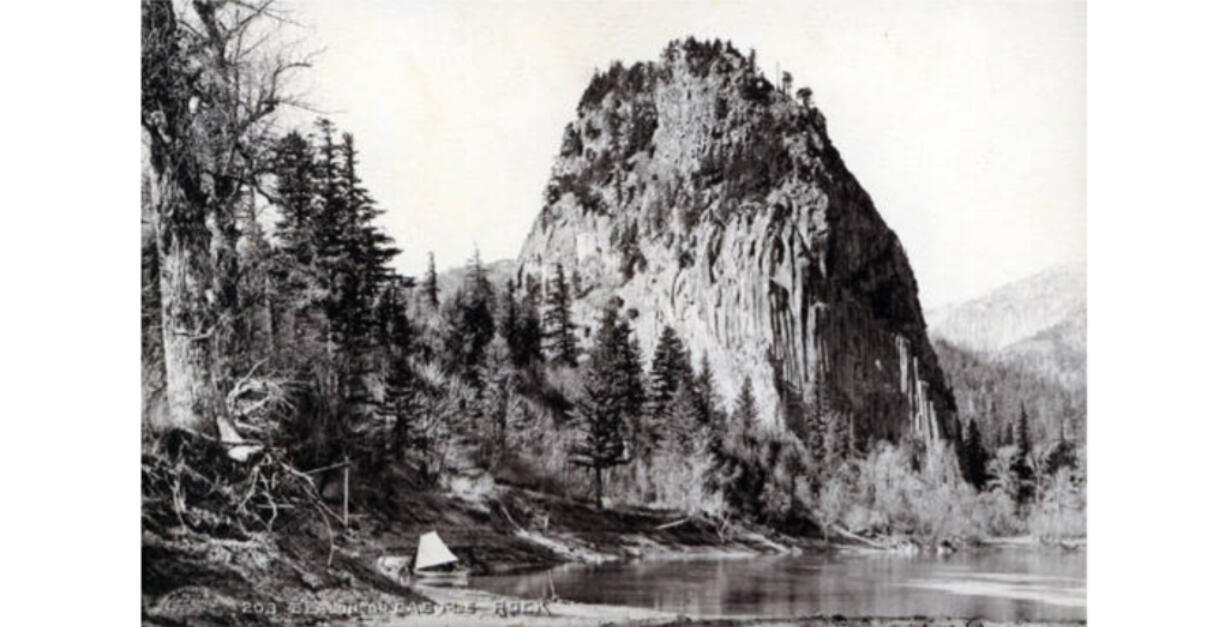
x=1001 y=584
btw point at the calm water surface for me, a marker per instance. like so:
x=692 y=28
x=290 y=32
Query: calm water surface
x=1007 y=584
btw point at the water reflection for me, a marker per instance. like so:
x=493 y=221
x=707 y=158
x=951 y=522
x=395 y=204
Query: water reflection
x=996 y=585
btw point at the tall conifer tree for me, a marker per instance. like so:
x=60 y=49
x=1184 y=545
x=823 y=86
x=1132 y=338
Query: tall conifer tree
x=1022 y=466
x=670 y=369
x=745 y=412
x=606 y=401
x=471 y=323
x=430 y=286
x=975 y=456
x=560 y=330
x=530 y=331
x=704 y=391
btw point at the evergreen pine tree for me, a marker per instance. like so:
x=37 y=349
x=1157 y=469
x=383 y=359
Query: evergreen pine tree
x=606 y=400
x=294 y=169
x=670 y=369
x=530 y=333
x=629 y=368
x=603 y=444
x=976 y=456
x=371 y=248
x=471 y=324
x=494 y=398
x=328 y=245
x=366 y=252
x=704 y=390
x=1023 y=467
x=399 y=398
x=745 y=413
x=294 y=272
x=510 y=324
x=560 y=330
x=615 y=361
x=477 y=282
x=431 y=283
x=684 y=420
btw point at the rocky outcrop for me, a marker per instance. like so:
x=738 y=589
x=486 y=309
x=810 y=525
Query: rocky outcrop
x=701 y=196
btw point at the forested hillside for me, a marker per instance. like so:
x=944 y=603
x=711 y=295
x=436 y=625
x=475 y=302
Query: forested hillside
x=1022 y=345
x=993 y=391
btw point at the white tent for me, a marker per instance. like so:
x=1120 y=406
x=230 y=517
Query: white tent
x=432 y=552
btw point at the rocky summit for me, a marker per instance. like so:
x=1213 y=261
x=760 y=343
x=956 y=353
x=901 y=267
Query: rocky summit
x=694 y=193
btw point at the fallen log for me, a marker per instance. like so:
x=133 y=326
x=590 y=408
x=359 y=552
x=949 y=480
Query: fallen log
x=843 y=532
x=673 y=524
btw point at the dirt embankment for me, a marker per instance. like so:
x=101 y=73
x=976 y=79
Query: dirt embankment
x=212 y=554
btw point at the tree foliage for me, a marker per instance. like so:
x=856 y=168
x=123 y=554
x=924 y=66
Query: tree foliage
x=209 y=93
x=430 y=285
x=559 y=328
x=609 y=398
x=974 y=457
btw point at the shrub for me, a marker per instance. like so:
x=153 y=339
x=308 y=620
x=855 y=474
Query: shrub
x=700 y=55
x=643 y=123
x=756 y=89
x=600 y=85
x=886 y=492
x=1059 y=511
x=572 y=142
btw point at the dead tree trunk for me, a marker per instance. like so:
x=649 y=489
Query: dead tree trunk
x=179 y=202
x=187 y=319
x=599 y=487
x=206 y=98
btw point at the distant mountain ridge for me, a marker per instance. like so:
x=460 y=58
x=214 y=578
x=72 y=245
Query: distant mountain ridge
x=1021 y=344
x=1016 y=311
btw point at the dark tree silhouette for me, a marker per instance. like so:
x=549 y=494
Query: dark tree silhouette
x=745 y=413
x=560 y=330
x=607 y=395
x=430 y=285
x=704 y=391
x=1023 y=464
x=975 y=457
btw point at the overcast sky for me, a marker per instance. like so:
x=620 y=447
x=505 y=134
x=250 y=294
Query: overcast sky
x=965 y=121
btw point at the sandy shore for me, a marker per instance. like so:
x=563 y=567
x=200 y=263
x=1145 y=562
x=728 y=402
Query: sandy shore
x=467 y=606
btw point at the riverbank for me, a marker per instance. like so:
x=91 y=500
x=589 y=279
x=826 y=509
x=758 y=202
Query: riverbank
x=840 y=621
x=307 y=569
x=201 y=563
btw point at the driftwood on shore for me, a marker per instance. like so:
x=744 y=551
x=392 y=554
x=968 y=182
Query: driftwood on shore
x=847 y=534
x=675 y=523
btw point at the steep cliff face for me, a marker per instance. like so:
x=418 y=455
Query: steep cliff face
x=706 y=199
